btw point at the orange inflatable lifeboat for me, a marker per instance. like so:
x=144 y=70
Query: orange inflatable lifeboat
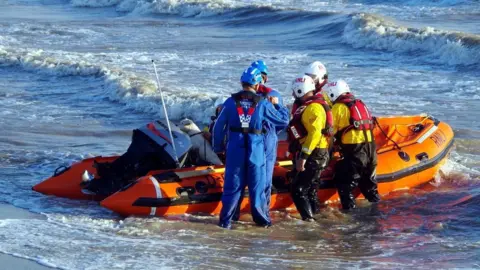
x=410 y=150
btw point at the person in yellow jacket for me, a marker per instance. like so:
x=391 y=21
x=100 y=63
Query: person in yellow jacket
x=318 y=72
x=308 y=130
x=352 y=126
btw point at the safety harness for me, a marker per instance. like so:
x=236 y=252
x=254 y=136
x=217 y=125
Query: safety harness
x=298 y=102
x=360 y=117
x=245 y=118
x=296 y=130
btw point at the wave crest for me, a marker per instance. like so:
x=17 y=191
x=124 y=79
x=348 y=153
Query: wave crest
x=133 y=91
x=435 y=46
x=185 y=8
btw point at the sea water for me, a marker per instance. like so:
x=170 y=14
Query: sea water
x=76 y=78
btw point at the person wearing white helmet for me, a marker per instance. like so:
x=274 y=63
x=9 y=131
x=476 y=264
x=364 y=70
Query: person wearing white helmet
x=318 y=72
x=308 y=133
x=353 y=125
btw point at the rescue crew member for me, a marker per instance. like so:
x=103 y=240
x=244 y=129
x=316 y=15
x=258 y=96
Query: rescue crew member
x=308 y=130
x=243 y=117
x=271 y=138
x=207 y=131
x=218 y=107
x=353 y=124
x=318 y=72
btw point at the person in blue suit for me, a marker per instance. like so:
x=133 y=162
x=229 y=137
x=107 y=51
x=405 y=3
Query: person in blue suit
x=271 y=138
x=242 y=120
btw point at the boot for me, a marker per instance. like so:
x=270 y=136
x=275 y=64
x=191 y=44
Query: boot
x=303 y=207
x=314 y=202
x=372 y=196
x=347 y=200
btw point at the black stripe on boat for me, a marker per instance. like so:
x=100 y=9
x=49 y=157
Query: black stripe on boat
x=329 y=184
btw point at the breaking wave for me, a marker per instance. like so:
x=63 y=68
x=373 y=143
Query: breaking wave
x=132 y=90
x=361 y=30
x=434 y=46
x=185 y=8
x=440 y=3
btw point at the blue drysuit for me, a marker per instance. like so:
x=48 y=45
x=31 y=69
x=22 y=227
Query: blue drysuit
x=271 y=145
x=245 y=151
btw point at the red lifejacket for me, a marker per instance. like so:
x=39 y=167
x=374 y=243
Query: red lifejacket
x=245 y=118
x=298 y=102
x=360 y=116
x=297 y=131
x=263 y=90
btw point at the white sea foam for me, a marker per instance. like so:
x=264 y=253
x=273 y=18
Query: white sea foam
x=186 y=8
x=199 y=8
x=435 y=46
x=128 y=88
x=28 y=239
x=438 y=3
x=44 y=262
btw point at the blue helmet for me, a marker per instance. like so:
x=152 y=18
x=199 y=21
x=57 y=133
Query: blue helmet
x=261 y=65
x=251 y=76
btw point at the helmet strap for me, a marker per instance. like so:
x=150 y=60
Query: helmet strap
x=264 y=77
x=319 y=85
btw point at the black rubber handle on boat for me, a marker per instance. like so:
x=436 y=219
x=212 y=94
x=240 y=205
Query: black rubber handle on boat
x=61 y=169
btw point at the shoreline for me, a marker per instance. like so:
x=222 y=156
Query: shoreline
x=11 y=261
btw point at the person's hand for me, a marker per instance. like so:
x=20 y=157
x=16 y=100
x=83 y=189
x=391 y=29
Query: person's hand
x=300 y=164
x=273 y=100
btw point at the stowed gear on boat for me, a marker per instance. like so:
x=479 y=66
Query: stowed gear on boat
x=151 y=149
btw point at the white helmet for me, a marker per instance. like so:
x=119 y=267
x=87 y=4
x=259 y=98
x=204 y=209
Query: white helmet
x=317 y=71
x=302 y=85
x=336 y=88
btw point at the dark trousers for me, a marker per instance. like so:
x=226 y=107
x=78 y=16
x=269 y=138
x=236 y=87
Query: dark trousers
x=358 y=168
x=305 y=184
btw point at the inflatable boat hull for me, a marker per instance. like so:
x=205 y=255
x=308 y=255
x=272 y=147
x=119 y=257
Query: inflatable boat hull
x=410 y=150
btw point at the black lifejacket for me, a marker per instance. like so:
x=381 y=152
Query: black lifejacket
x=297 y=131
x=360 y=116
x=245 y=118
